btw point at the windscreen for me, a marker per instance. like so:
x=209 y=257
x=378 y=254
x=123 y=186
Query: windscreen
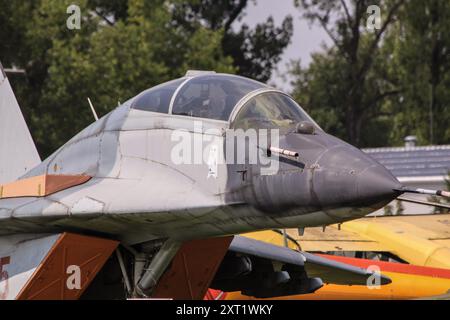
x=212 y=96
x=270 y=110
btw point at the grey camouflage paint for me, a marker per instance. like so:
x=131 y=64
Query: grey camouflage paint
x=138 y=194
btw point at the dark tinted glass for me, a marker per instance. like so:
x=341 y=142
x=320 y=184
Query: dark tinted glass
x=157 y=99
x=212 y=96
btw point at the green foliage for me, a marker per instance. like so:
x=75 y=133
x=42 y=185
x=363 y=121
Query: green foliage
x=116 y=62
x=110 y=10
x=371 y=89
x=14 y=22
x=442 y=200
x=388 y=210
x=344 y=86
x=400 y=209
x=375 y=88
x=421 y=66
x=122 y=48
x=255 y=51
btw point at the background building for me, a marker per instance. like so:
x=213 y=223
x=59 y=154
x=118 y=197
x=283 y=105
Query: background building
x=424 y=167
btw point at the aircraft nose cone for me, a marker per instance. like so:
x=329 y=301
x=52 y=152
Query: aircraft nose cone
x=376 y=184
x=346 y=176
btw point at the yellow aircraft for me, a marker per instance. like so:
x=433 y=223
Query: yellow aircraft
x=413 y=251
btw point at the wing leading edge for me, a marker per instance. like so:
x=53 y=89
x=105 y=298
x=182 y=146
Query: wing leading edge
x=264 y=270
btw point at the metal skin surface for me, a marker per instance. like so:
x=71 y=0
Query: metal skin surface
x=14 y=161
x=137 y=193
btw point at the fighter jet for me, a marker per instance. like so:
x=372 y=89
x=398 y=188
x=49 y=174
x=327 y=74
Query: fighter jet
x=174 y=173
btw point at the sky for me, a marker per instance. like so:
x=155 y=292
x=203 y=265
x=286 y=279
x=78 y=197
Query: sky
x=305 y=40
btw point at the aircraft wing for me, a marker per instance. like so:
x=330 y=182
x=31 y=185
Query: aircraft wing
x=34 y=267
x=264 y=270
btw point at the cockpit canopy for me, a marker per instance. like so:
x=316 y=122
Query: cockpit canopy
x=221 y=97
x=157 y=99
x=212 y=96
x=270 y=110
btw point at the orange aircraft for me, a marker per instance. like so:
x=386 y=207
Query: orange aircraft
x=408 y=282
x=416 y=250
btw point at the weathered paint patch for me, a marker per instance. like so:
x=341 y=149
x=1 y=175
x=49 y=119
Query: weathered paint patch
x=87 y=205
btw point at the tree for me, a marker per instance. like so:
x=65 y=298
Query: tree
x=345 y=85
x=256 y=51
x=103 y=61
x=420 y=44
x=110 y=11
x=122 y=48
x=13 y=27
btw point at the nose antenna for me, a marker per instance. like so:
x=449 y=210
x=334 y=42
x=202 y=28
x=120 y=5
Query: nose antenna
x=425 y=203
x=441 y=193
